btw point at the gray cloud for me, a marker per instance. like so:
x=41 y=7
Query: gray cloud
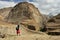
x=6 y=4
x=48 y=6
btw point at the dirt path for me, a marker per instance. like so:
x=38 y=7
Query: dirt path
x=25 y=35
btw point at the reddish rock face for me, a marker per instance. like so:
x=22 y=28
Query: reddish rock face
x=26 y=14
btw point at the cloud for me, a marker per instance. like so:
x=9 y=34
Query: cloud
x=48 y=6
x=6 y=4
x=50 y=1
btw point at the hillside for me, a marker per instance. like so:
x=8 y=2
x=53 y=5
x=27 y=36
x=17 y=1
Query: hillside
x=26 y=14
x=54 y=24
x=55 y=19
x=4 y=13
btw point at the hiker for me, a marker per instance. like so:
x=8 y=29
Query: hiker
x=17 y=30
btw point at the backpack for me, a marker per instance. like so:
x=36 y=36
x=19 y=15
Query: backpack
x=16 y=28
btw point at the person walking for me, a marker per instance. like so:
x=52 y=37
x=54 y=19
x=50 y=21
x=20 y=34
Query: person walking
x=17 y=30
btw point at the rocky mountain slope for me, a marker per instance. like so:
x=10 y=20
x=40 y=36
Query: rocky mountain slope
x=53 y=24
x=26 y=14
x=54 y=19
x=4 y=13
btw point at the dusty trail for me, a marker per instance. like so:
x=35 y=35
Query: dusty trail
x=25 y=35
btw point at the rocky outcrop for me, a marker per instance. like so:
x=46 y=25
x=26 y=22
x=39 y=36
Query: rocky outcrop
x=26 y=14
x=53 y=25
x=57 y=18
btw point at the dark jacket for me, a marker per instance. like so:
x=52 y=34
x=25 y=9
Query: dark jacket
x=17 y=28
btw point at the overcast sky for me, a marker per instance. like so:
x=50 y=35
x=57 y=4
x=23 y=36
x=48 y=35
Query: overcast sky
x=44 y=6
